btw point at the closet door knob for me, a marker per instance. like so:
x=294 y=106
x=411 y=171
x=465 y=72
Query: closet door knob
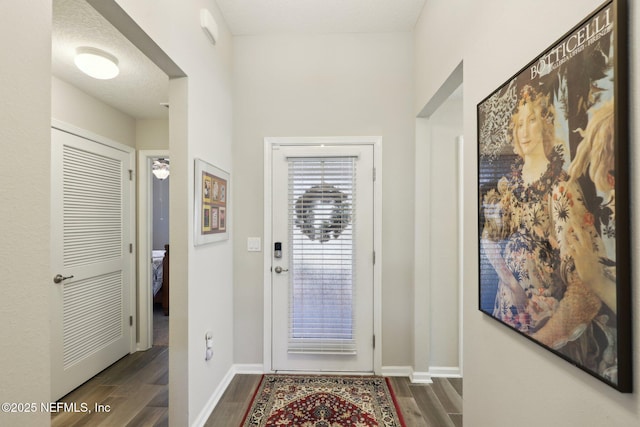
x=58 y=278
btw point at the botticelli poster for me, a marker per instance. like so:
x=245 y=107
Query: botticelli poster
x=553 y=199
x=211 y=197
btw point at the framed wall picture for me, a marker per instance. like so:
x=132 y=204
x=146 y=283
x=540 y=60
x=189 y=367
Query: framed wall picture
x=553 y=214
x=211 y=196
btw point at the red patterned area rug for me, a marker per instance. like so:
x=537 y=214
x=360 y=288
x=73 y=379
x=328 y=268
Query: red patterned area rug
x=323 y=401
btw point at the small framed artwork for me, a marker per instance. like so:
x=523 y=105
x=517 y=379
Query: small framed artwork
x=206 y=220
x=223 y=219
x=206 y=188
x=553 y=215
x=214 y=217
x=211 y=196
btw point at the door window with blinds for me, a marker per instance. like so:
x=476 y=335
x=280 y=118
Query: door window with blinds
x=321 y=196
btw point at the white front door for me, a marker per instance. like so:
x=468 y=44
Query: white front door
x=90 y=287
x=322 y=276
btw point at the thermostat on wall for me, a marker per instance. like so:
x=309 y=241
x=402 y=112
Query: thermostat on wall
x=209 y=25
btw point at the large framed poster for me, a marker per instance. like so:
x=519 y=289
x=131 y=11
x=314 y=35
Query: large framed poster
x=553 y=199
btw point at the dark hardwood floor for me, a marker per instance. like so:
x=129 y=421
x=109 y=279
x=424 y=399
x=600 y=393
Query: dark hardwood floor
x=135 y=390
x=432 y=405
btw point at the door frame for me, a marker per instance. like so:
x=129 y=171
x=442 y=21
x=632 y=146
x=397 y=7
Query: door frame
x=376 y=142
x=145 y=223
x=86 y=134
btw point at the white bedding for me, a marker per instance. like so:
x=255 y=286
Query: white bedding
x=156 y=278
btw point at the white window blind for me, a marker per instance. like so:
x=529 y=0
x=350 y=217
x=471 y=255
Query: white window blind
x=321 y=260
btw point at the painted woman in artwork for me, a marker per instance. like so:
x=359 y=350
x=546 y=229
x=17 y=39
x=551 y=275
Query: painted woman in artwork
x=530 y=222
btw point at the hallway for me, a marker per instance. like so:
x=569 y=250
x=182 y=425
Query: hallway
x=134 y=390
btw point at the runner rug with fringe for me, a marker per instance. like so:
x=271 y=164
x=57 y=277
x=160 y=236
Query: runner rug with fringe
x=323 y=401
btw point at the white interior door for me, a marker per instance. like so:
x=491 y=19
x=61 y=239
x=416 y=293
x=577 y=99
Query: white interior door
x=90 y=226
x=322 y=280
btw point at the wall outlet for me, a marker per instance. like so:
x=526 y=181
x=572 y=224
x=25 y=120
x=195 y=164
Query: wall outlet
x=208 y=339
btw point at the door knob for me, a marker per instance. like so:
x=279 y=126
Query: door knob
x=279 y=269
x=59 y=278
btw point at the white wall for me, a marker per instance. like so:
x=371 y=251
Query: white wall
x=325 y=85
x=152 y=134
x=508 y=379
x=71 y=105
x=201 y=277
x=445 y=127
x=25 y=276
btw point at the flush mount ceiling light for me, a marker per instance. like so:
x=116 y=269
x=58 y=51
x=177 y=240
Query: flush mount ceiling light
x=96 y=63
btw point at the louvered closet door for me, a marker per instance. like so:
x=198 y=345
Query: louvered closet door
x=90 y=225
x=322 y=286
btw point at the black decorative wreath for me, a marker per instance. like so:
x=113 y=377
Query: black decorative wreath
x=318 y=228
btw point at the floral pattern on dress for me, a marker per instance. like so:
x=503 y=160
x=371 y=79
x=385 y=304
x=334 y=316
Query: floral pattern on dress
x=535 y=228
x=531 y=250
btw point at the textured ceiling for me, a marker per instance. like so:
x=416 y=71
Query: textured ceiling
x=139 y=88
x=250 y=17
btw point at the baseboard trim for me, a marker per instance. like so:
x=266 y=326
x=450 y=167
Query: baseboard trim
x=396 y=371
x=249 y=368
x=215 y=398
x=219 y=391
x=445 y=371
x=421 y=378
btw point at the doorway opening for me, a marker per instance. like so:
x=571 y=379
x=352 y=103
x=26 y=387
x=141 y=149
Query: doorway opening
x=438 y=228
x=153 y=248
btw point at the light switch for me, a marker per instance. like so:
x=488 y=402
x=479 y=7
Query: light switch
x=254 y=244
